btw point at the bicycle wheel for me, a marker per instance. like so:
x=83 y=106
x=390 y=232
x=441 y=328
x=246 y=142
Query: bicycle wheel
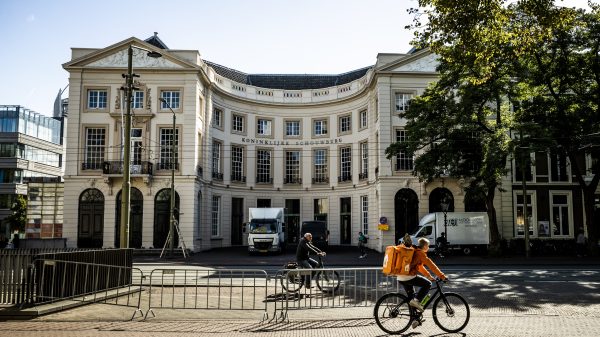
x=392 y=313
x=292 y=281
x=451 y=312
x=328 y=281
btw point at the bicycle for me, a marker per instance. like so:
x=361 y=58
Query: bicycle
x=328 y=281
x=394 y=315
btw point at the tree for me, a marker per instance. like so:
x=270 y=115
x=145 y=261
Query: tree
x=563 y=79
x=18 y=218
x=460 y=126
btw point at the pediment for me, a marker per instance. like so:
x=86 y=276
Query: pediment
x=140 y=60
x=420 y=62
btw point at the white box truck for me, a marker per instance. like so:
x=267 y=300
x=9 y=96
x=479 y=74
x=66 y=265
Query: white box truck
x=266 y=230
x=467 y=231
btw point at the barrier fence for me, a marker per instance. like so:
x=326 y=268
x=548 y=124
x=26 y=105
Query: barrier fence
x=215 y=289
x=198 y=288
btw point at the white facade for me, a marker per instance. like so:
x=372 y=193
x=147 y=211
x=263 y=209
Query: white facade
x=244 y=146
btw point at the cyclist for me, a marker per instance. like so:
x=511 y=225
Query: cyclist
x=305 y=247
x=417 y=265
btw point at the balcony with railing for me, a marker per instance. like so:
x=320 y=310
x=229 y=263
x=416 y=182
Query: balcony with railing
x=363 y=176
x=238 y=178
x=320 y=180
x=344 y=178
x=264 y=180
x=115 y=168
x=292 y=180
x=217 y=175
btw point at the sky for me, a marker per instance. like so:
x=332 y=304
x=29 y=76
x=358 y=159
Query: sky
x=253 y=36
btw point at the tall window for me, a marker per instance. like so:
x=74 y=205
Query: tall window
x=95 y=142
x=137 y=100
x=345 y=164
x=364 y=212
x=217 y=117
x=263 y=127
x=237 y=164
x=520 y=228
x=263 y=166
x=320 y=127
x=404 y=162
x=402 y=102
x=320 y=162
x=560 y=214
x=292 y=167
x=292 y=128
x=216 y=161
x=215 y=216
x=364 y=119
x=167 y=157
x=172 y=97
x=97 y=99
x=237 y=123
x=558 y=167
x=345 y=123
x=321 y=208
x=364 y=160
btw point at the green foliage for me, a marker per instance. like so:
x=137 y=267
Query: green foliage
x=18 y=218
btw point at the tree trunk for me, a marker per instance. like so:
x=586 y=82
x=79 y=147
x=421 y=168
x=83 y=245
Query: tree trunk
x=494 y=248
x=588 y=202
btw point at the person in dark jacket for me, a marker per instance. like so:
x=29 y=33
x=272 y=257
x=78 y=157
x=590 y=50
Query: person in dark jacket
x=305 y=247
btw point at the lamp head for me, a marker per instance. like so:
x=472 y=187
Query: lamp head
x=154 y=54
x=162 y=100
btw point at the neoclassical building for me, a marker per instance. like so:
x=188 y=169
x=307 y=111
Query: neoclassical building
x=313 y=144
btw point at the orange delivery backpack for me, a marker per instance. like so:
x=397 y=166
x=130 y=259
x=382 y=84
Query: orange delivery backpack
x=397 y=260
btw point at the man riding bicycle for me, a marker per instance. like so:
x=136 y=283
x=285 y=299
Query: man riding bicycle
x=305 y=247
x=417 y=265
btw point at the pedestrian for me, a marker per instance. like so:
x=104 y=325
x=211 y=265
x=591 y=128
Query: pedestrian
x=442 y=245
x=362 y=243
x=580 y=243
x=15 y=241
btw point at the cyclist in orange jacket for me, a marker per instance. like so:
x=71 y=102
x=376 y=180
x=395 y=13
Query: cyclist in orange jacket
x=417 y=265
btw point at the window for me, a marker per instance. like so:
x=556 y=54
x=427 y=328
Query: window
x=520 y=156
x=402 y=102
x=217 y=117
x=172 y=97
x=97 y=99
x=263 y=127
x=168 y=159
x=292 y=128
x=321 y=208
x=558 y=167
x=216 y=161
x=404 y=162
x=364 y=211
x=520 y=223
x=263 y=166
x=364 y=119
x=137 y=100
x=560 y=214
x=320 y=162
x=320 y=127
x=95 y=141
x=215 y=216
x=345 y=164
x=237 y=123
x=345 y=124
x=237 y=164
x=364 y=160
x=292 y=167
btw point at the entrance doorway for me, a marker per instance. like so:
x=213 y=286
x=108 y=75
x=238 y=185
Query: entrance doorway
x=406 y=212
x=90 y=226
x=162 y=209
x=237 y=221
x=437 y=196
x=345 y=221
x=136 y=218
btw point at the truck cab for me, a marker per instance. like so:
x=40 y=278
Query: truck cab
x=265 y=230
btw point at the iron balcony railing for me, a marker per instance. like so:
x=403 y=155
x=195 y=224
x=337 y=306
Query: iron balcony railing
x=217 y=175
x=264 y=180
x=238 y=178
x=292 y=180
x=116 y=167
x=320 y=180
x=362 y=176
x=345 y=177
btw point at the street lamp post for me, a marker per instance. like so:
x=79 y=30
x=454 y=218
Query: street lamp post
x=445 y=204
x=173 y=163
x=126 y=188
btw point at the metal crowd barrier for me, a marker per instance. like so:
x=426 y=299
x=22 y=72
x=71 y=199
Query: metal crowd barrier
x=352 y=287
x=210 y=289
x=58 y=280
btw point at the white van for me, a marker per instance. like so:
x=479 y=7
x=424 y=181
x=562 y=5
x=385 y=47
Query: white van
x=265 y=230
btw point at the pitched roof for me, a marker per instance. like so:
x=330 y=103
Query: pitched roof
x=288 y=81
x=156 y=41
